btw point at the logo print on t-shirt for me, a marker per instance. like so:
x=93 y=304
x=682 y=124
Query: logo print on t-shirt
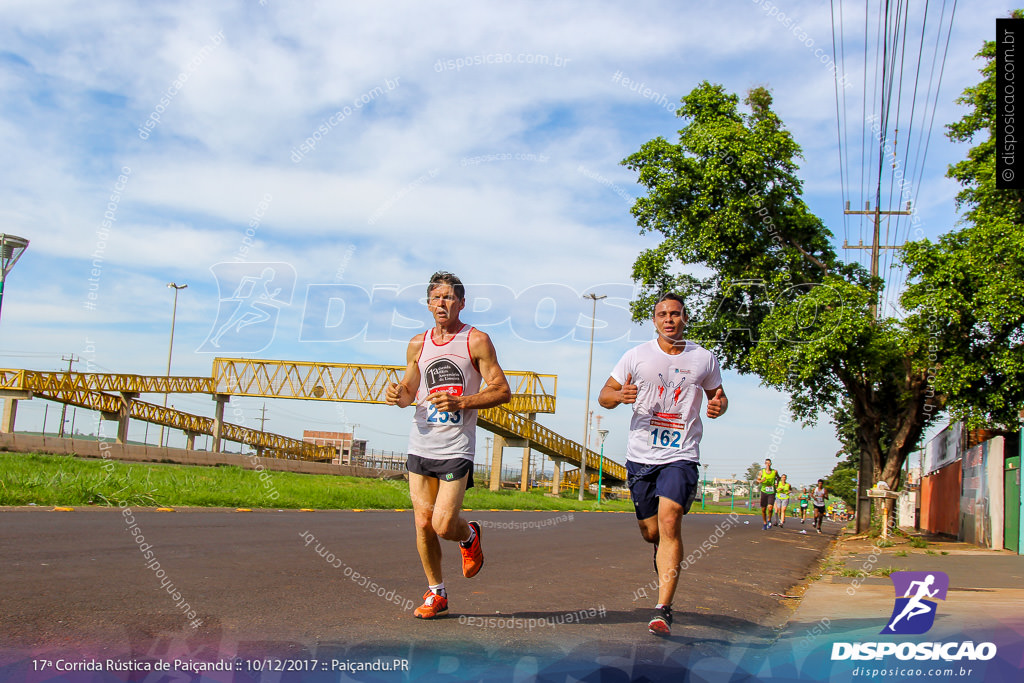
x=444 y=375
x=675 y=388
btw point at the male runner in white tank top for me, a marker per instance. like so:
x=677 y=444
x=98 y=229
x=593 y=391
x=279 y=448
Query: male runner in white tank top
x=665 y=380
x=445 y=366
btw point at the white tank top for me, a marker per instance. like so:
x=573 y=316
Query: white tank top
x=445 y=367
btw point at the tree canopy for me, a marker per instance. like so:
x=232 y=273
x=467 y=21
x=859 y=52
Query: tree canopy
x=966 y=291
x=768 y=294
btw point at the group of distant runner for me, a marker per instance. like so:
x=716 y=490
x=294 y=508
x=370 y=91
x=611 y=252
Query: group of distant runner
x=775 y=496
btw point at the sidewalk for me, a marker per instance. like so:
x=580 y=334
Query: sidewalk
x=853 y=601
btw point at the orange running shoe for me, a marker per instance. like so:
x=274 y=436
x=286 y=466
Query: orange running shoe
x=433 y=606
x=661 y=624
x=473 y=556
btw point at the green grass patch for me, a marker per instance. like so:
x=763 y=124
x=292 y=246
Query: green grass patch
x=918 y=542
x=67 y=480
x=831 y=566
x=881 y=571
x=900 y=553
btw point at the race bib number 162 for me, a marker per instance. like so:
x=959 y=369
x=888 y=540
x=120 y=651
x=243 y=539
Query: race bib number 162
x=663 y=437
x=666 y=431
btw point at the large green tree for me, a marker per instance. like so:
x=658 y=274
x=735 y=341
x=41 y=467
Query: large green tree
x=770 y=296
x=966 y=295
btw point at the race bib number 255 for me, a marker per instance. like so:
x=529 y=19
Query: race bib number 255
x=435 y=416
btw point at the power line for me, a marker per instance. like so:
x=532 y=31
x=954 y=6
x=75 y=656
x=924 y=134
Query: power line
x=910 y=171
x=840 y=127
x=895 y=141
x=901 y=44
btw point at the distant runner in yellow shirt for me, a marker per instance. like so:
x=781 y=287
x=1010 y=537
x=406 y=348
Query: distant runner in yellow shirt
x=767 y=479
x=782 y=499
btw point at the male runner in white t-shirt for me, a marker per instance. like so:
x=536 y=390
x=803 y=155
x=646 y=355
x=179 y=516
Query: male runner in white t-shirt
x=445 y=366
x=664 y=380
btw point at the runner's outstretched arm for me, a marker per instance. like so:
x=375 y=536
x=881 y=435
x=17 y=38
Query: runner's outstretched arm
x=403 y=393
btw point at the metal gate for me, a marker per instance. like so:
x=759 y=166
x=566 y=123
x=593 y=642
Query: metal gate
x=1011 y=504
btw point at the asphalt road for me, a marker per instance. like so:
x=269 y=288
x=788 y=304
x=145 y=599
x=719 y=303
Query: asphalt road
x=557 y=590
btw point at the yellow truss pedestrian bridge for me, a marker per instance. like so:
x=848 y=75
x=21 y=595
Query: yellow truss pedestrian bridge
x=116 y=397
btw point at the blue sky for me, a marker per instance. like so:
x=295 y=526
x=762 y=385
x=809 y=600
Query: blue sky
x=365 y=145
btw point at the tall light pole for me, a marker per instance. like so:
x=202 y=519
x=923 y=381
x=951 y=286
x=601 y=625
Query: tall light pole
x=603 y=433
x=586 y=411
x=704 y=490
x=11 y=249
x=170 y=349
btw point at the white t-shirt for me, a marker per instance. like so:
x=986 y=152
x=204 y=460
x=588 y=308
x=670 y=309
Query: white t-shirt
x=666 y=422
x=818 y=495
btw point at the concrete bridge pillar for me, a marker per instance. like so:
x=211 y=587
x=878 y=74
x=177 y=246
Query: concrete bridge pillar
x=218 y=420
x=123 y=413
x=11 y=398
x=496 y=455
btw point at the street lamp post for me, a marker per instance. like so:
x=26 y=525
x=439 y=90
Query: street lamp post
x=170 y=348
x=704 y=489
x=586 y=411
x=11 y=249
x=600 y=464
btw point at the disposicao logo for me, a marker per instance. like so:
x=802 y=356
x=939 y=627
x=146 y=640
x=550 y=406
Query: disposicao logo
x=913 y=614
x=915 y=608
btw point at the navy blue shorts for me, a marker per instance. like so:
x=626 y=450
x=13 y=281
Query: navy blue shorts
x=675 y=480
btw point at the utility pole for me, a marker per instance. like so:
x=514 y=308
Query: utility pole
x=64 y=408
x=875 y=247
x=263 y=416
x=866 y=471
